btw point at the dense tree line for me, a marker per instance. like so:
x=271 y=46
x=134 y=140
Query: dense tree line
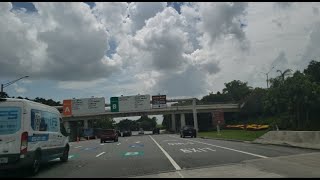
x=292 y=102
x=49 y=102
x=143 y=122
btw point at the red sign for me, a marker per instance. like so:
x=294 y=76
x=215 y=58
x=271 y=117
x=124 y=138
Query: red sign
x=159 y=101
x=67 y=109
x=217 y=118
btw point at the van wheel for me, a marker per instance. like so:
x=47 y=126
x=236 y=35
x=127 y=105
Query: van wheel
x=35 y=167
x=65 y=155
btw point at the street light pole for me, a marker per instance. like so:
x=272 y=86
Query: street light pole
x=267 y=74
x=9 y=83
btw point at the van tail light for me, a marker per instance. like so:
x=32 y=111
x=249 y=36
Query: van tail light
x=24 y=143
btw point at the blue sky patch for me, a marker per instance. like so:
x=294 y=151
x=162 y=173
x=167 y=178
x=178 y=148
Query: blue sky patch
x=29 y=6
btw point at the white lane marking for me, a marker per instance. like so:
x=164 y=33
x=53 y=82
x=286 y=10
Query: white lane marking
x=169 y=140
x=77 y=147
x=69 y=157
x=101 y=144
x=138 y=142
x=180 y=174
x=178 y=143
x=100 y=154
x=192 y=150
x=70 y=145
x=118 y=144
x=257 y=155
x=175 y=165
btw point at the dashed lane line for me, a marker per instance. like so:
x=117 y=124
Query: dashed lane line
x=100 y=154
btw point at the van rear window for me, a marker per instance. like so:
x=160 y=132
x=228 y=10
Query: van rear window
x=10 y=120
x=44 y=121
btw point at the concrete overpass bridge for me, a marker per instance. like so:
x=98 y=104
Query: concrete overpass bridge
x=163 y=111
x=173 y=110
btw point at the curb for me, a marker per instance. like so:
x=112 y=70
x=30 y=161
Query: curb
x=235 y=140
x=286 y=145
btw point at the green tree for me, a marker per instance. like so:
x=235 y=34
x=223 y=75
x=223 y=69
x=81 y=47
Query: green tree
x=125 y=124
x=254 y=106
x=166 y=121
x=147 y=123
x=4 y=95
x=216 y=98
x=105 y=123
x=237 y=90
x=48 y=102
x=302 y=95
x=284 y=74
x=313 y=71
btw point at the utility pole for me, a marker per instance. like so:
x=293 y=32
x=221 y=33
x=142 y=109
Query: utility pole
x=267 y=80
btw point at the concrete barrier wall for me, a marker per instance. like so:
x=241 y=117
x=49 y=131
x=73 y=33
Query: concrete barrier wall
x=305 y=139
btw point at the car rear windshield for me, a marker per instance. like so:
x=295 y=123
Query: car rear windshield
x=187 y=127
x=108 y=131
x=10 y=120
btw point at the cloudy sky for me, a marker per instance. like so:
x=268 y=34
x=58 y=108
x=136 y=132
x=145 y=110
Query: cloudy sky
x=104 y=49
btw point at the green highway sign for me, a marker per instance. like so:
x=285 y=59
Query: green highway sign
x=130 y=103
x=114 y=104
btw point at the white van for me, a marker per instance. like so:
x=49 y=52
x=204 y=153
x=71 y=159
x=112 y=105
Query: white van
x=30 y=134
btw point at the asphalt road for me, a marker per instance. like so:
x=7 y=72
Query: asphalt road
x=150 y=154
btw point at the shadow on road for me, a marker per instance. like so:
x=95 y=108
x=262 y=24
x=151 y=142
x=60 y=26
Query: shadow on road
x=25 y=173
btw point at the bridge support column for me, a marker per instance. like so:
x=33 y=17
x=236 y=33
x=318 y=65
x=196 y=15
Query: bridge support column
x=173 y=122
x=195 y=118
x=85 y=124
x=182 y=119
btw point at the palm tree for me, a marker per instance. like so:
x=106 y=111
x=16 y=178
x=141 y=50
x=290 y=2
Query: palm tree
x=284 y=73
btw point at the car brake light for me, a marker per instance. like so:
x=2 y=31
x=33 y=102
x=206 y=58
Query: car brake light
x=24 y=143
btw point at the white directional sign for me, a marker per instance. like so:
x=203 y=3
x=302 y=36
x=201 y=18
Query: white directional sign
x=85 y=106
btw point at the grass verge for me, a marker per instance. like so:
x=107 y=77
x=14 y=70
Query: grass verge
x=234 y=134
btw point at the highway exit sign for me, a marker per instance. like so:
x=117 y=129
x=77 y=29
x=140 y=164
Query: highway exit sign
x=130 y=103
x=114 y=104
